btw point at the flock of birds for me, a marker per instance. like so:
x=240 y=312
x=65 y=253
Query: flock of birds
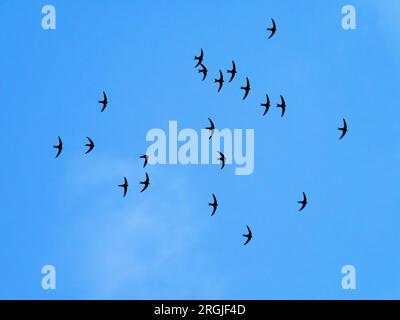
x=90 y=145
x=202 y=69
x=200 y=66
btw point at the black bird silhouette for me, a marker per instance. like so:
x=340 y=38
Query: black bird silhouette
x=233 y=71
x=214 y=204
x=199 y=58
x=146 y=159
x=203 y=70
x=125 y=186
x=59 y=147
x=267 y=104
x=222 y=158
x=220 y=81
x=249 y=235
x=282 y=105
x=344 y=129
x=145 y=183
x=273 y=29
x=246 y=88
x=104 y=101
x=303 y=202
x=211 y=128
x=90 y=145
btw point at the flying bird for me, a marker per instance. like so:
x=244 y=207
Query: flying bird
x=125 y=186
x=249 y=236
x=233 y=71
x=211 y=128
x=344 y=129
x=203 y=70
x=266 y=105
x=145 y=182
x=214 y=204
x=272 y=30
x=282 y=105
x=222 y=158
x=59 y=147
x=90 y=145
x=220 y=81
x=246 y=88
x=146 y=159
x=303 y=202
x=104 y=101
x=199 y=58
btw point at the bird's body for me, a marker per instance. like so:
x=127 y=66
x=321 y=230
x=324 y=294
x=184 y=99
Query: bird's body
x=214 y=204
x=220 y=81
x=246 y=88
x=303 y=202
x=266 y=105
x=59 y=147
x=222 y=159
x=344 y=129
x=272 y=29
x=211 y=128
x=282 y=105
x=199 y=58
x=146 y=159
x=232 y=71
x=145 y=182
x=249 y=236
x=203 y=70
x=90 y=145
x=104 y=102
x=125 y=186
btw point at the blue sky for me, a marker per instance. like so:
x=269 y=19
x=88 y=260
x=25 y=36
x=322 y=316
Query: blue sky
x=163 y=244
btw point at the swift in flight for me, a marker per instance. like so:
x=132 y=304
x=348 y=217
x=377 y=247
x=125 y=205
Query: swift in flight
x=199 y=58
x=222 y=158
x=146 y=159
x=249 y=235
x=233 y=71
x=211 y=128
x=220 y=81
x=272 y=29
x=203 y=70
x=125 y=186
x=59 y=147
x=104 y=102
x=266 y=105
x=303 y=202
x=344 y=129
x=214 y=205
x=282 y=105
x=145 y=183
x=246 y=88
x=90 y=145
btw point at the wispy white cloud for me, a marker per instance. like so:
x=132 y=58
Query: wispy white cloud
x=128 y=244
